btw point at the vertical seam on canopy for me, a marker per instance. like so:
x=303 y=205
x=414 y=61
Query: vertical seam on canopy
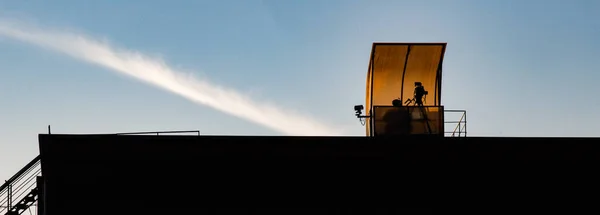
x=404 y=73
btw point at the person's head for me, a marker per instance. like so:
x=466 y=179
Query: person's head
x=397 y=103
x=418 y=84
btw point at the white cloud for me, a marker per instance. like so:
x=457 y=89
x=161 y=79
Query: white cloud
x=158 y=73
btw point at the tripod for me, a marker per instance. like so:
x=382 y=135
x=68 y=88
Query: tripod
x=422 y=109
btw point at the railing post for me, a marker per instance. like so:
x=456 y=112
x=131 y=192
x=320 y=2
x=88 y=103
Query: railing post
x=465 y=123
x=9 y=202
x=459 y=129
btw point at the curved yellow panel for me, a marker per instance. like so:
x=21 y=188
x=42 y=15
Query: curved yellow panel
x=395 y=67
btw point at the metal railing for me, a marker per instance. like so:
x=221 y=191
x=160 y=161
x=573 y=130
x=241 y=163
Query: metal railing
x=459 y=127
x=19 y=186
x=159 y=132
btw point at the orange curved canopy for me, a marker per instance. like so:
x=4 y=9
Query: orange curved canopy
x=395 y=67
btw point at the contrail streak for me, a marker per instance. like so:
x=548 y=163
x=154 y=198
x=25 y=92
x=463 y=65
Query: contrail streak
x=159 y=74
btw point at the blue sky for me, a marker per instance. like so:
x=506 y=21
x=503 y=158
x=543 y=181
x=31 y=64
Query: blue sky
x=520 y=68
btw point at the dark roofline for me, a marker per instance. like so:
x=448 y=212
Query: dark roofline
x=398 y=43
x=43 y=137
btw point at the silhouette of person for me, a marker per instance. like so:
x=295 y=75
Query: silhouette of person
x=419 y=93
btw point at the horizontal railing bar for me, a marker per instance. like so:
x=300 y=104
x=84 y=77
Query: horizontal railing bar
x=159 y=132
x=23 y=170
x=455 y=111
x=455 y=121
x=24 y=176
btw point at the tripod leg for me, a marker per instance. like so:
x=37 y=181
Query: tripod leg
x=426 y=119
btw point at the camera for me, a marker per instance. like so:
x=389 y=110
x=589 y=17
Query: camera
x=358 y=109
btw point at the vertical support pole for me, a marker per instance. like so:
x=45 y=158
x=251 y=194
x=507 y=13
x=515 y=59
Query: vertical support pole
x=465 y=123
x=370 y=107
x=9 y=197
x=459 y=128
x=403 y=72
x=49 y=130
x=5 y=181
